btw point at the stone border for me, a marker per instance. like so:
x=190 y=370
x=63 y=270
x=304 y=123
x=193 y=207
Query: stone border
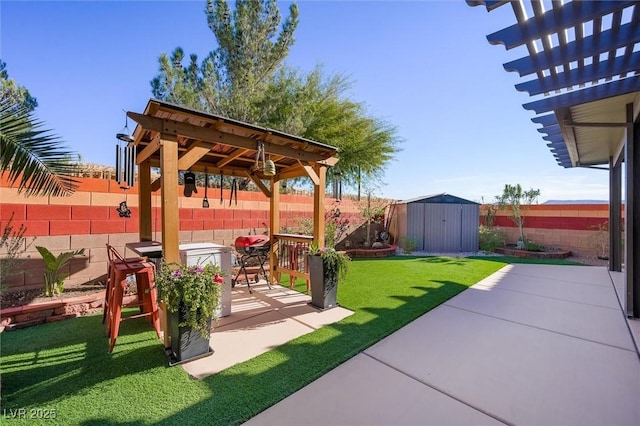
x=371 y=253
x=562 y=254
x=55 y=310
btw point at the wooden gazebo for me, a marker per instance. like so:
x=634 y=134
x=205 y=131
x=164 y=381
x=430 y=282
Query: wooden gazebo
x=174 y=138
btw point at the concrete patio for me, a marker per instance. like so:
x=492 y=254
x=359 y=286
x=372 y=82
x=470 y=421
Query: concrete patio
x=259 y=322
x=530 y=344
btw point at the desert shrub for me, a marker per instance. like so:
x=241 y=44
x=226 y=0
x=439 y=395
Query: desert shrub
x=14 y=243
x=491 y=238
x=408 y=245
x=531 y=246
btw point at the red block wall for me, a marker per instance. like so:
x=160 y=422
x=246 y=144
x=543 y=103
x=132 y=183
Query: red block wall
x=88 y=219
x=567 y=226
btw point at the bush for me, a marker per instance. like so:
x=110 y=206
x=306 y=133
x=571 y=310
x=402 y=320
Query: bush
x=408 y=245
x=492 y=238
x=531 y=246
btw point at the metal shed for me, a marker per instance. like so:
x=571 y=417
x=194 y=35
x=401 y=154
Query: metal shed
x=438 y=223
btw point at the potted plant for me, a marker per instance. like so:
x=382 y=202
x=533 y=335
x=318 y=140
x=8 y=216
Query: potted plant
x=327 y=267
x=192 y=297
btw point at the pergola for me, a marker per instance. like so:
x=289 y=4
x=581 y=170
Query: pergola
x=585 y=65
x=174 y=138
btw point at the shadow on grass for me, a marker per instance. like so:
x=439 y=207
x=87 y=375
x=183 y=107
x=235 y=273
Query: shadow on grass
x=63 y=359
x=75 y=363
x=524 y=260
x=304 y=359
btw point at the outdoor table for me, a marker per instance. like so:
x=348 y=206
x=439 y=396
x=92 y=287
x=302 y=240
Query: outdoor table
x=152 y=249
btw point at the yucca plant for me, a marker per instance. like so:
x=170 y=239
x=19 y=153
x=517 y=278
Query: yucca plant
x=34 y=158
x=53 y=276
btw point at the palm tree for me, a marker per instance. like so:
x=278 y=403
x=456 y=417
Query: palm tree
x=32 y=157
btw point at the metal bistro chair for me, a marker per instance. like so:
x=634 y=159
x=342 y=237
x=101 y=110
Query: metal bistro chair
x=146 y=298
x=114 y=256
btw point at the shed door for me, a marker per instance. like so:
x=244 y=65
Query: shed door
x=415 y=224
x=443 y=227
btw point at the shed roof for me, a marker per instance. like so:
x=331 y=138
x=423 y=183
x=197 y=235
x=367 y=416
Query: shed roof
x=442 y=198
x=585 y=62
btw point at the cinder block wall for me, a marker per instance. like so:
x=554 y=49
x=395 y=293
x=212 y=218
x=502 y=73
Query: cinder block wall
x=567 y=226
x=88 y=219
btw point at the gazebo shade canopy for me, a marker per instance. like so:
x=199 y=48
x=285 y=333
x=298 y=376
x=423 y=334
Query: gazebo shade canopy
x=218 y=145
x=585 y=62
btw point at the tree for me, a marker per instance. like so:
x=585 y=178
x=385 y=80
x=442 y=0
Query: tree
x=13 y=93
x=245 y=78
x=518 y=201
x=32 y=157
x=231 y=80
x=316 y=107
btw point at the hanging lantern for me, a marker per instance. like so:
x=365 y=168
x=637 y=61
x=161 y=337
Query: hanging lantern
x=269 y=168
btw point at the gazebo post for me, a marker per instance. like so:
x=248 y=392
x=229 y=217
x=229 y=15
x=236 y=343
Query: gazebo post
x=144 y=201
x=318 y=204
x=274 y=227
x=169 y=201
x=170 y=219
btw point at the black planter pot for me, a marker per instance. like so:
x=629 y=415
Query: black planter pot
x=187 y=344
x=324 y=285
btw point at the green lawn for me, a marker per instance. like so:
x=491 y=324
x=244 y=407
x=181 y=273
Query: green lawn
x=63 y=368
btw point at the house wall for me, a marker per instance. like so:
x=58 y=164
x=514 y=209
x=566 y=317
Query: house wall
x=88 y=219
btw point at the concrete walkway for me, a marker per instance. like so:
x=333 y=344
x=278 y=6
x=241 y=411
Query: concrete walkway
x=530 y=344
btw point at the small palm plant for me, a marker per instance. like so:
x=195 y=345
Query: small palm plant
x=53 y=275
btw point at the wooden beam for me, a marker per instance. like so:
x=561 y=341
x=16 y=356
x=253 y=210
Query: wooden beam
x=156 y=184
x=310 y=172
x=274 y=227
x=211 y=135
x=265 y=190
x=229 y=158
x=331 y=161
x=169 y=198
x=145 y=221
x=148 y=150
x=298 y=172
x=196 y=151
x=318 y=205
x=227 y=171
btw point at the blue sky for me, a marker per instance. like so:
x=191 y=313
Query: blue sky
x=424 y=66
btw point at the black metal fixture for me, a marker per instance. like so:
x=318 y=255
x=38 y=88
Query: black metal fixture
x=125 y=157
x=268 y=167
x=205 y=200
x=123 y=210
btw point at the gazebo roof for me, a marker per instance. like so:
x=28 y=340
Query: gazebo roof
x=219 y=145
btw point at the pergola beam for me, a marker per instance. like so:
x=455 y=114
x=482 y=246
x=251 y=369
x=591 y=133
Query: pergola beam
x=148 y=150
x=195 y=152
x=265 y=190
x=208 y=134
x=229 y=158
x=310 y=172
